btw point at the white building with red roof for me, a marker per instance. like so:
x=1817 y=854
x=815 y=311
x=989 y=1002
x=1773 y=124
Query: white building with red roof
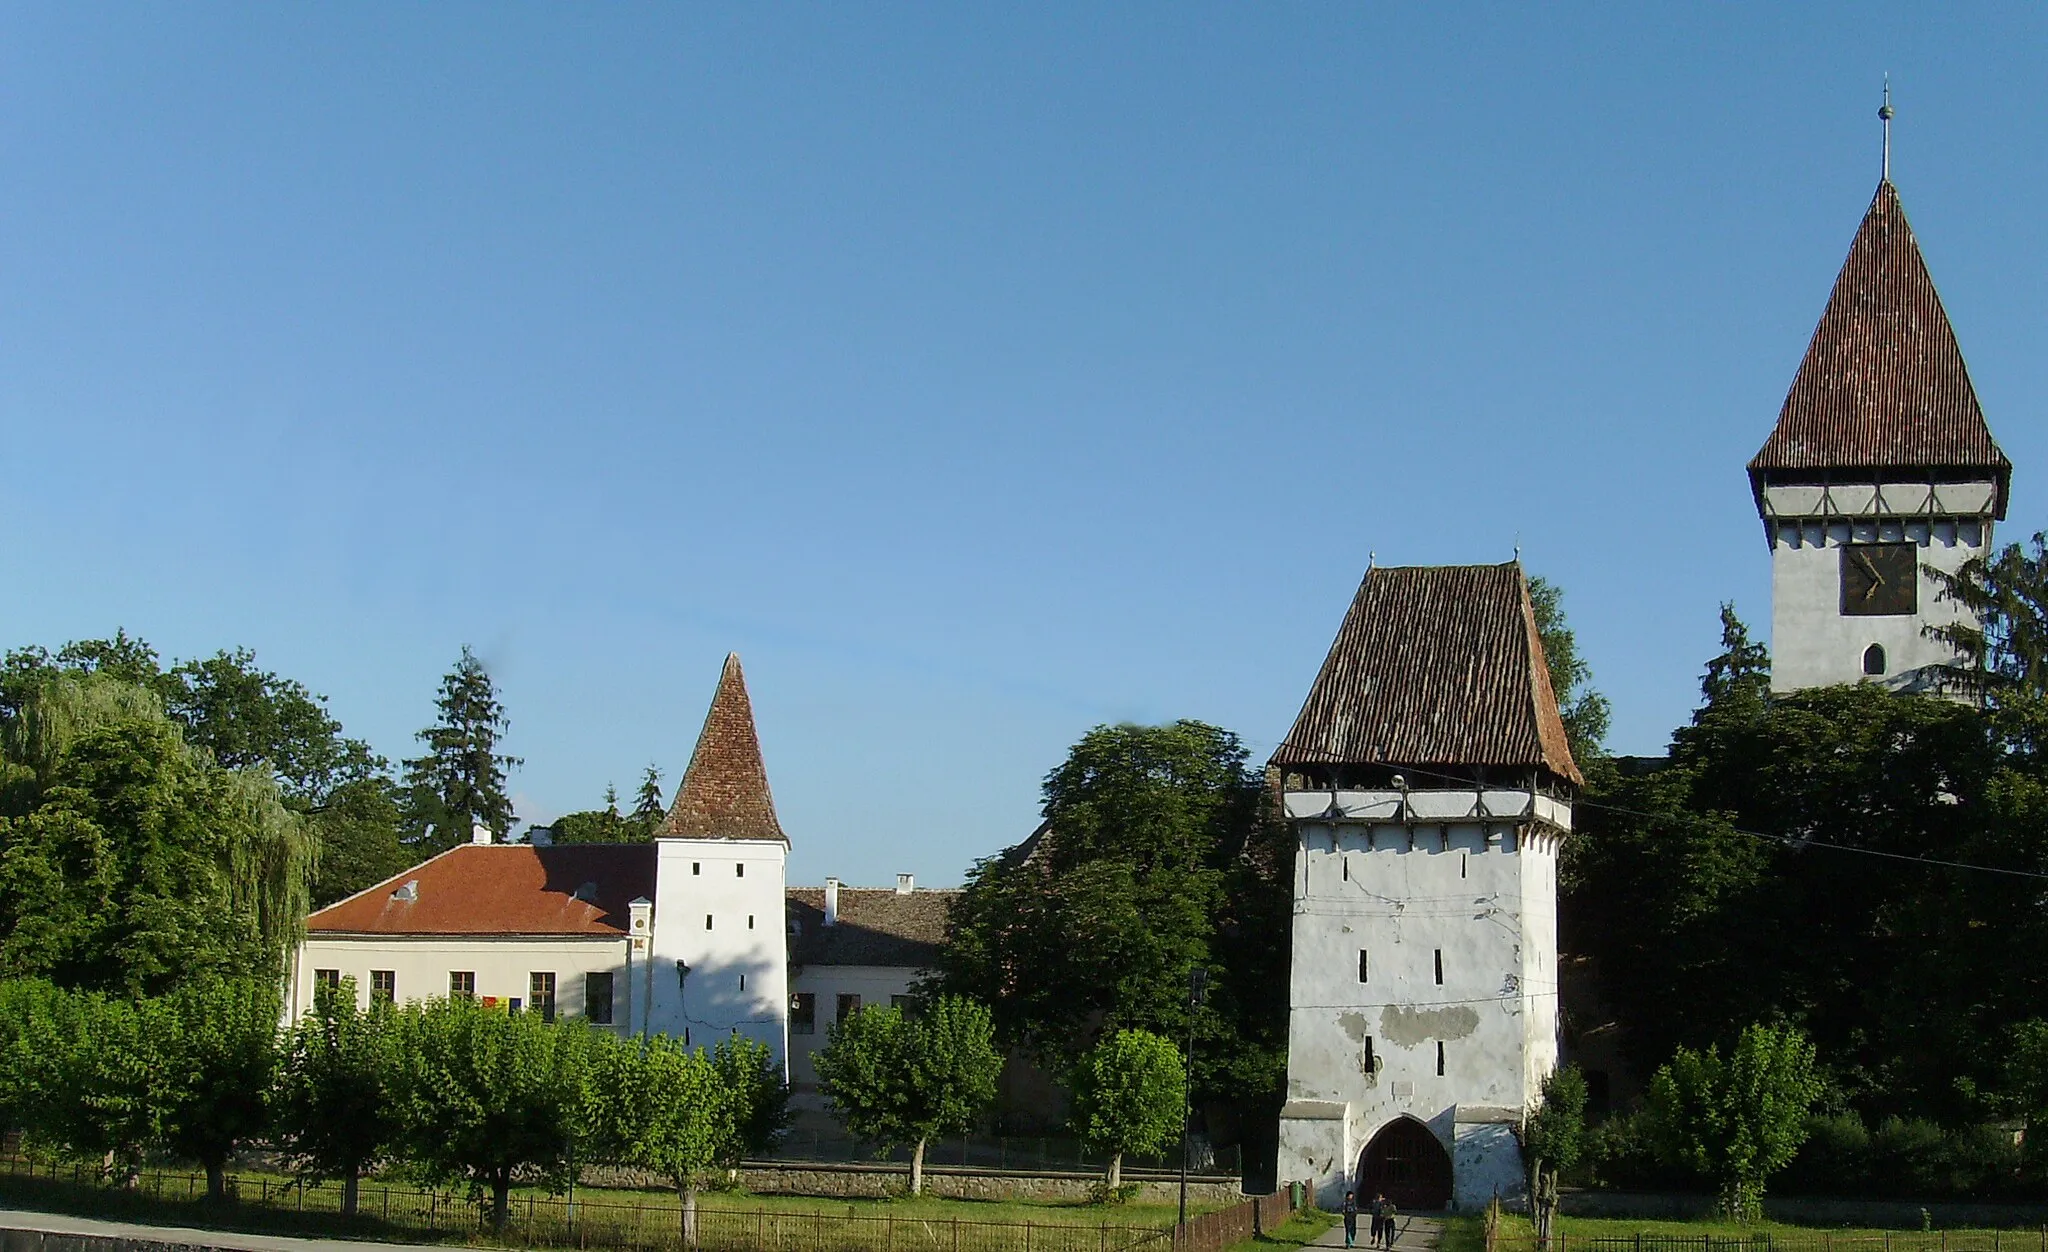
x=684 y=936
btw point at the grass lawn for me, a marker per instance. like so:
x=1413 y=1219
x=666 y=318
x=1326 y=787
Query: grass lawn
x=1301 y=1229
x=1517 y=1231
x=271 y=1203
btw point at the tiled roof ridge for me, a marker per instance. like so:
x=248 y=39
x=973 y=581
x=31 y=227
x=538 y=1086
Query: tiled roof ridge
x=1883 y=383
x=724 y=793
x=1434 y=665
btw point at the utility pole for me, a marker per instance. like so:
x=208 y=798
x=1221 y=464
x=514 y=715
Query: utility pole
x=1198 y=992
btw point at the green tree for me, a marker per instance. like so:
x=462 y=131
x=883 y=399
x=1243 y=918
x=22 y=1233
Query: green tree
x=220 y=1041
x=250 y=718
x=459 y=783
x=670 y=1107
x=2002 y=642
x=1737 y=1121
x=756 y=1099
x=1129 y=1095
x=104 y=1077
x=1739 y=679
x=900 y=1080
x=358 y=827
x=1553 y=1135
x=1158 y=854
x=335 y=1103
x=647 y=806
x=488 y=1097
x=1585 y=711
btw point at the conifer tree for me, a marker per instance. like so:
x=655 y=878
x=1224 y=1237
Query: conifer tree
x=460 y=781
x=647 y=808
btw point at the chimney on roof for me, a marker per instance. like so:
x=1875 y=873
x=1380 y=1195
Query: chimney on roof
x=905 y=884
x=831 y=901
x=480 y=833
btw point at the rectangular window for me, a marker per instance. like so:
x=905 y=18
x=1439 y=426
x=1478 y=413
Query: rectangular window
x=462 y=984
x=696 y=867
x=328 y=978
x=848 y=1006
x=740 y=870
x=707 y=922
x=1439 y=1058
x=803 y=1013
x=1347 y=867
x=1439 y=967
x=743 y=982
x=1361 y=965
x=540 y=993
x=383 y=986
x=597 y=998
x=1368 y=1061
x=750 y=921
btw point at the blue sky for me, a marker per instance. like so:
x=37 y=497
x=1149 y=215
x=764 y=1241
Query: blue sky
x=980 y=374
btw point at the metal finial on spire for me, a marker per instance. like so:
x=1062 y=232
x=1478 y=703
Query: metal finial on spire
x=1884 y=114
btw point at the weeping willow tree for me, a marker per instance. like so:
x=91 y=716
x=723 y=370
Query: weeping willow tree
x=130 y=861
x=52 y=717
x=271 y=854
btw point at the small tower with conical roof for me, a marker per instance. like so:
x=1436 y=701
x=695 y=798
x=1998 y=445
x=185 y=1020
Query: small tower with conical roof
x=720 y=957
x=1880 y=465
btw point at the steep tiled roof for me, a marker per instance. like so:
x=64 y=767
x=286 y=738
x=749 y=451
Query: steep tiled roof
x=502 y=889
x=1434 y=665
x=725 y=792
x=876 y=927
x=1883 y=386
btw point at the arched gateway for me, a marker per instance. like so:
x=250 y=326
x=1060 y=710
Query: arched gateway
x=1406 y=1164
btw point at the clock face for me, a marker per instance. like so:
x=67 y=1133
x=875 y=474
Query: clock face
x=1880 y=579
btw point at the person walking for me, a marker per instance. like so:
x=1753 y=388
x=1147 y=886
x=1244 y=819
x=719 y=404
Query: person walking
x=1390 y=1225
x=1350 y=1218
x=1379 y=1217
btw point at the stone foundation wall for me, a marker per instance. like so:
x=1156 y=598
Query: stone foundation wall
x=873 y=1181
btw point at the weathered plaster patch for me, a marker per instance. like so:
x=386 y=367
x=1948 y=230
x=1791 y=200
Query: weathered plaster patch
x=1408 y=1027
x=1354 y=1025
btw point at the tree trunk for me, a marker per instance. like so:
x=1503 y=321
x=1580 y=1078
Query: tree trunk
x=686 y=1190
x=216 y=1181
x=351 y=1190
x=501 y=1200
x=917 y=1169
x=1116 y=1172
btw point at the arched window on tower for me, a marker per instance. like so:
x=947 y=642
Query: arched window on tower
x=1873 y=659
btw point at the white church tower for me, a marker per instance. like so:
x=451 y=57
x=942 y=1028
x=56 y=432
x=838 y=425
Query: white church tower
x=720 y=959
x=1430 y=783
x=1880 y=464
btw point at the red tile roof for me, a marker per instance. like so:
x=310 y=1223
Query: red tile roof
x=725 y=792
x=502 y=889
x=1434 y=665
x=1883 y=385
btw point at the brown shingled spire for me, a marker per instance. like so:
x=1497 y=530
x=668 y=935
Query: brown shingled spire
x=724 y=795
x=1883 y=386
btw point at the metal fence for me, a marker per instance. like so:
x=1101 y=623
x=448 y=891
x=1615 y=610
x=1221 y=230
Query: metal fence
x=1778 y=1241
x=651 y=1222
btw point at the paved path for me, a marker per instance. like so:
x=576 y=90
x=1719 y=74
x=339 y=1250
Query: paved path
x=61 y=1224
x=1414 y=1234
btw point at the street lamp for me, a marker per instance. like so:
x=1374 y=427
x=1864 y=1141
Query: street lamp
x=1198 y=991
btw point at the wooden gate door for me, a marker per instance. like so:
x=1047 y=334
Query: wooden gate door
x=1405 y=1163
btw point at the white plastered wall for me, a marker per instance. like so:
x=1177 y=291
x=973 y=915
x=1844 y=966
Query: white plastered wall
x=1813 y=643
x=874 y=984
x=1483 y=893
x=738 y=963
x=503 y=965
